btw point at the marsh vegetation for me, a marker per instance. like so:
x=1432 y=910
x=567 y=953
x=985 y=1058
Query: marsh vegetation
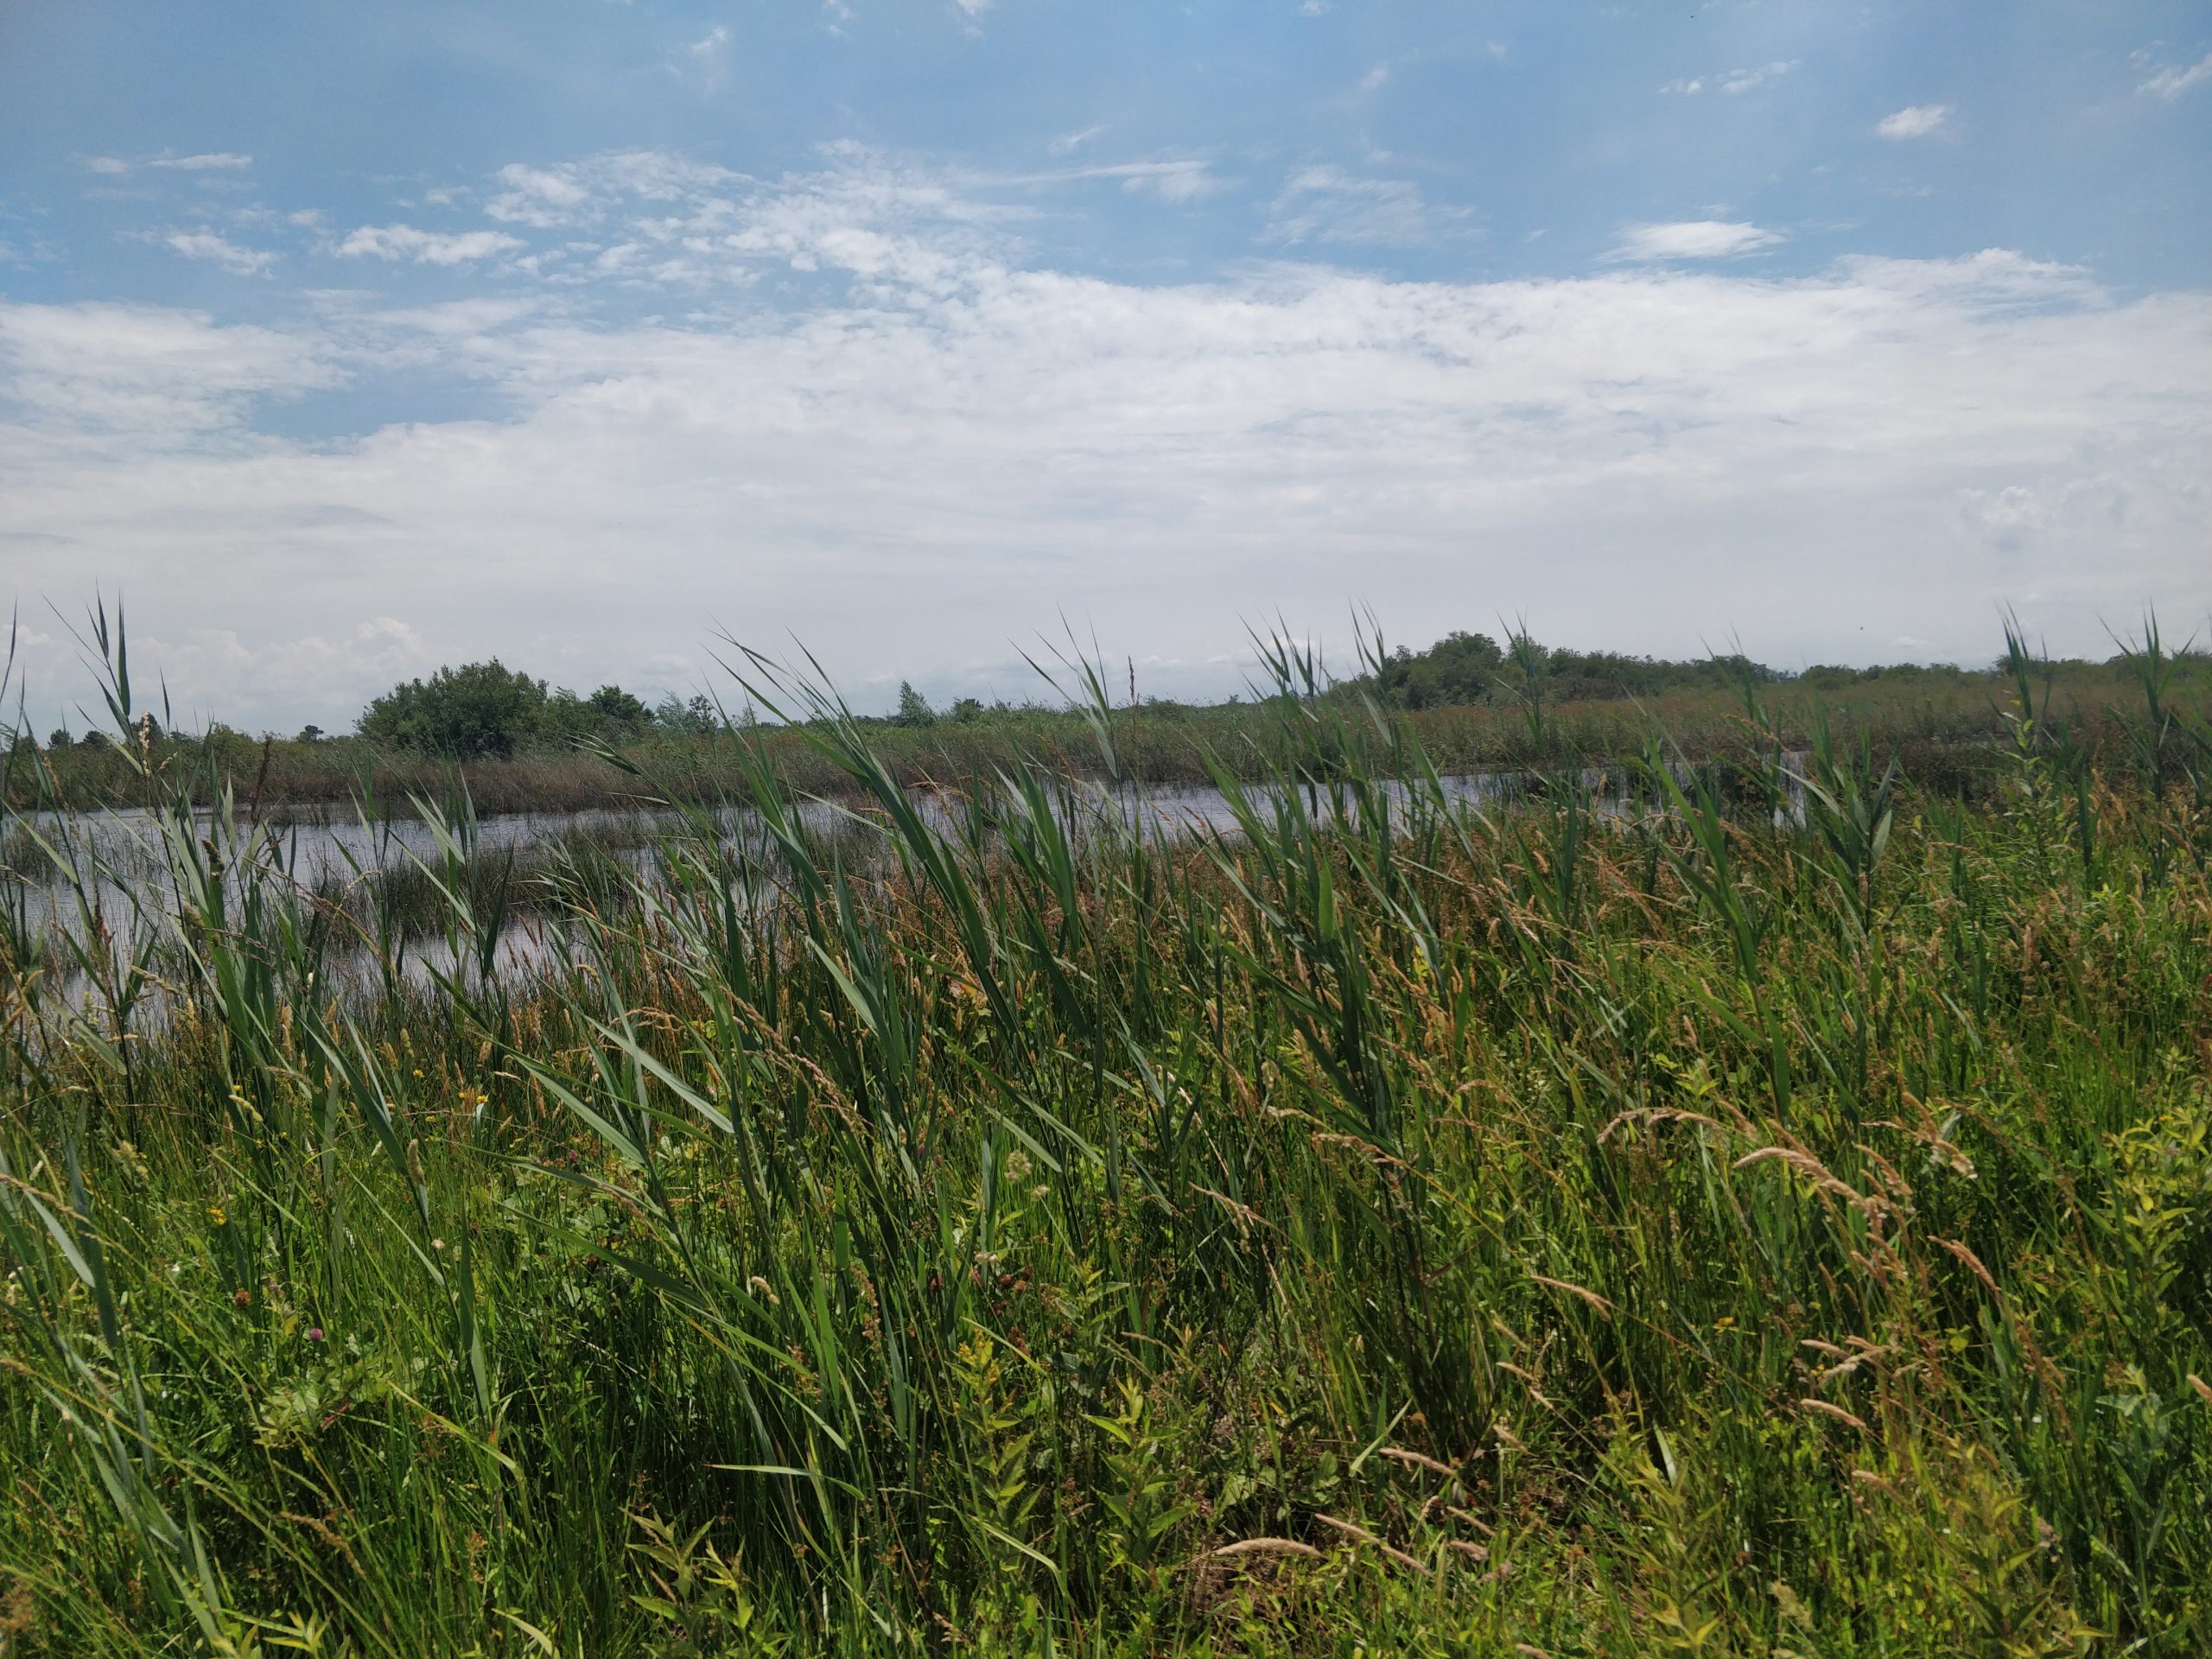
x=1376 y=1220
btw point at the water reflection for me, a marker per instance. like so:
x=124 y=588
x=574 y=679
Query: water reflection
x=385 y=888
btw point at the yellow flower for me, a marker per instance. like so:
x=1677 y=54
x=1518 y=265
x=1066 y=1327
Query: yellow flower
x=215 y=1214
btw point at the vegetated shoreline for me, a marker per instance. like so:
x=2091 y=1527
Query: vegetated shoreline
x=1941 y=730
x=1387 y=1228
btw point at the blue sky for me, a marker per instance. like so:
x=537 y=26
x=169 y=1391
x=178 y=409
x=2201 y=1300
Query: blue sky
x=344 y=341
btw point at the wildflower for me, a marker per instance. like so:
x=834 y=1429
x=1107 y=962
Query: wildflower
x=215 y=1214
x=242 y=1297
x=315 y=1333
x=437 y=1243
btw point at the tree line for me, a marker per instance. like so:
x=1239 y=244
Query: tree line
x=487 y=711
x=1464 y=668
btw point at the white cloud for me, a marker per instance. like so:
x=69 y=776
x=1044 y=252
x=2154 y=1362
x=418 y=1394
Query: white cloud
x=151 y=376
x=1700 y=238
x=1744 y=80
x=206 y=245
x=942 y=449
x=585 y=193
x=425 y=247
x=1328 y=204
x=1734 y=82
x=1068 y=142
x=211 y=672
x=537 y=196
x=706 y=58
x=1375 y=79
x=1916 y=121
x=1184 y=180
x=2171 y=80
x=166 y=161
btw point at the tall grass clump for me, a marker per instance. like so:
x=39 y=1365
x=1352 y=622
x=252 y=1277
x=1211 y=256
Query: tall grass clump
x=1772 y=1216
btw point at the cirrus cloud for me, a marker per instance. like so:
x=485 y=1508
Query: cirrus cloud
x=425 y=247
x=221 y=250
x=167 y=161
x=2171 y=80
x=1697 y=239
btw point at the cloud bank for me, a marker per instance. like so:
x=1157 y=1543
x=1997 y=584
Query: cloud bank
x=861 y=416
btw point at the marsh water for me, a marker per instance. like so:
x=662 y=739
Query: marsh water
x=82 y=876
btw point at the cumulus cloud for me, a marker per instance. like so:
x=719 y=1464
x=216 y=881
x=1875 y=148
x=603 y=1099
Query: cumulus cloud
x=221 y=250
x=1698 y=238
x=425 y=247
x=1916 y=121
x=2171 y=80
x=537 y=196
x=939 y=445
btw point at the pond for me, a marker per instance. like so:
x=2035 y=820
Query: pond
x=71 y=878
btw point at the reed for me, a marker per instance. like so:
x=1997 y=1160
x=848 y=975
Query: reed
x=1374 y=1223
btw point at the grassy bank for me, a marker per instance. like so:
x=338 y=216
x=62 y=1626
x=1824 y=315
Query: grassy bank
x=1387 y=1228
x=1943 y=724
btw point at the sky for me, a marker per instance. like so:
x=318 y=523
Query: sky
x=339 y=342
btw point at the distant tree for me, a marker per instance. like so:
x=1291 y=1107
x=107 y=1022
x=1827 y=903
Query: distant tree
x=612 y=704
x=913 y=708
x=469 y=712
x=1461 y=667
x=310 y=734
x=560 y=721
x=968 y=710
x=92 y=740
x=695 y=718
x=59 y=738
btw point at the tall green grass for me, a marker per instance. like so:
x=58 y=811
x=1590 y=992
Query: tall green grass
x=1380 y=1226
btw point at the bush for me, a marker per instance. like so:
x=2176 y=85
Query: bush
x=484 y=710
x=469 y=712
